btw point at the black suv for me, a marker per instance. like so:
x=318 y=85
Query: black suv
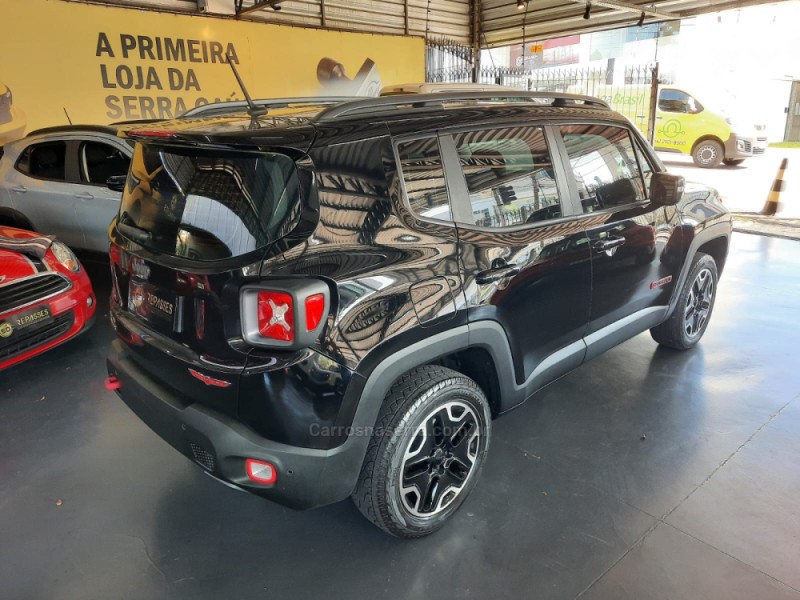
x=334 y=299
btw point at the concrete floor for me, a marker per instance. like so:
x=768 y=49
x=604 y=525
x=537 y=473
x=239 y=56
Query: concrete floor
x=744 y=188
x=572 y=501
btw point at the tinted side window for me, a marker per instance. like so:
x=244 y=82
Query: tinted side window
x=509 y=176
x=101 y=161
x=45 y=161
x=423 y=176
x=604 y=165
x=678 y=102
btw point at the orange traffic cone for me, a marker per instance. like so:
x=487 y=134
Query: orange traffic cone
x=773 y=203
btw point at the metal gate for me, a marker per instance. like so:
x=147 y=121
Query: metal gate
x=630 y=90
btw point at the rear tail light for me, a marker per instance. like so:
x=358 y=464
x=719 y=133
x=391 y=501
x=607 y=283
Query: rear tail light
x=315 y=307
x=276 y=316
x=260 y=471
x=287 y=314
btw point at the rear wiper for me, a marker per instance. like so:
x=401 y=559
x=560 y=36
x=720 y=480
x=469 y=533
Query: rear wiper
x=135 y=233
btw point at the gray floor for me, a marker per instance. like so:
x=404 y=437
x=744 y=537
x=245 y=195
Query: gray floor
x=572 y=501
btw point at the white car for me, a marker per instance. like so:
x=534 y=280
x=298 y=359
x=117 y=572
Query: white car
x=55 y=181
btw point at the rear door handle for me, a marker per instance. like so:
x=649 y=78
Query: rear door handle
x=84 y=196
x=20 y=189
x=608 y=245
x=496 y=274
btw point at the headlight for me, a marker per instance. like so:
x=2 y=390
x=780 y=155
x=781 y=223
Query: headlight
x=65 y=256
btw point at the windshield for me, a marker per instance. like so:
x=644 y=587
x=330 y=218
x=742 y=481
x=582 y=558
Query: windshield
x=208 y=207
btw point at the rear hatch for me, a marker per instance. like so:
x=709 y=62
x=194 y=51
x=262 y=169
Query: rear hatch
x=194 y=224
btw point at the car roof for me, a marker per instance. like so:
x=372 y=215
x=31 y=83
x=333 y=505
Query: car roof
x=298 y=125
x=74 y=129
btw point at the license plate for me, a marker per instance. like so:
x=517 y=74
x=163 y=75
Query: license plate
x=33 y=317
x=151 y=303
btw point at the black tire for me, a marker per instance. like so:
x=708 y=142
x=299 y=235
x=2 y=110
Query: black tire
x=708 y=154
x=442 y=417
x=691 y=316
x=15 y=219
x=732 y=162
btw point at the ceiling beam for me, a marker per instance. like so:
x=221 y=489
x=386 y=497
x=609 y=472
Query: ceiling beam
x=649 y=10
x=257 y=5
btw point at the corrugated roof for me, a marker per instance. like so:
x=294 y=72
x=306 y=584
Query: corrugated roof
x=501 y=21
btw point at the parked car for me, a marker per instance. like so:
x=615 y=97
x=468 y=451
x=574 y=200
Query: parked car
x=56 y=181
x=45 y=295
x=336 y=301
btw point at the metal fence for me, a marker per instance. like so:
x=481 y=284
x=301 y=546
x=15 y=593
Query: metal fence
x=447 y=61
x=628 y=89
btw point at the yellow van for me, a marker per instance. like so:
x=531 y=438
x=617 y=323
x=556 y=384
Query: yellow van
x=686 y=126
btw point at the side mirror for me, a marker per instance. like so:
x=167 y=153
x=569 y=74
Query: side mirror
x=666 y=189
x=116 y=183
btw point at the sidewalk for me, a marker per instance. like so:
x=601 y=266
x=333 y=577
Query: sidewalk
x=777 y=226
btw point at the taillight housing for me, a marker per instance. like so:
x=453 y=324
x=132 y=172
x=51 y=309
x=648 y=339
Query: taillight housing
x=287 y=313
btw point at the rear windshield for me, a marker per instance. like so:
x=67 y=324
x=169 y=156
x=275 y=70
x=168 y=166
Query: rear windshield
x=208 y=207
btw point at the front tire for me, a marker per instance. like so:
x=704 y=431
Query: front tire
x=689 y=320
x=426 y=453
x=708 y=154
x=732 y=162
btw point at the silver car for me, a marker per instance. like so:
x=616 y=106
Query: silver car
x=55 y=181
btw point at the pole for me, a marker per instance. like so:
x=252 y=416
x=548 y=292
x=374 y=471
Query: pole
x=651 y=121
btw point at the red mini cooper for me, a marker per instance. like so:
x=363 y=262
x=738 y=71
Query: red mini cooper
x=45 y=295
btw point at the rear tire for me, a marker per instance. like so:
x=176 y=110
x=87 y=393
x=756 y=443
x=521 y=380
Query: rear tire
x=708 y=154
x=689 y=320
x=426 y=453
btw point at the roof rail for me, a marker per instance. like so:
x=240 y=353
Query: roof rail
x=423 y=100
x=234 y=105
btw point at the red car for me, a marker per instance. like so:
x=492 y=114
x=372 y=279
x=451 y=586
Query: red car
x=45 y=295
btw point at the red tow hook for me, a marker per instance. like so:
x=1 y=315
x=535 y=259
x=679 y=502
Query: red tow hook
x=113 y=384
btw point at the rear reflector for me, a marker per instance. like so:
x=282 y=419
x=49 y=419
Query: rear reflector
x=315 y=306
x=276 y=316
x=260 y=471
x=113 y=384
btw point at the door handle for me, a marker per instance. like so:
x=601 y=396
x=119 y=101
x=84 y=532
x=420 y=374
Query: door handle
x=20 y=189
x=496 y=274
x=608 y=245
x=84 y=196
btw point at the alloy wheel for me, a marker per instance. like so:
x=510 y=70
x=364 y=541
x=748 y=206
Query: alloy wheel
x=440 y=459
x=698 y=303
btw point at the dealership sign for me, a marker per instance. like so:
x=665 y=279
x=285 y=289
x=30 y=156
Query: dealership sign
x=91 y=64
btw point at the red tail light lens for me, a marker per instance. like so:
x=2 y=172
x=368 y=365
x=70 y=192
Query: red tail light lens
x=276 y=316
x=315 y=307
x=260 y=471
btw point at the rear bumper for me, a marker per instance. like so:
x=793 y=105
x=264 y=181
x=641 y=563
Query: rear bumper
x=306 y=478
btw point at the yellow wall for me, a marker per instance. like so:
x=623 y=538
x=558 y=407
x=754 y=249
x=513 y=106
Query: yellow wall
x=55 y=57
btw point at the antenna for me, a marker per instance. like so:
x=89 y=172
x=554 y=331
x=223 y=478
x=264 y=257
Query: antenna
x=252 y=109
x=66 y=113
